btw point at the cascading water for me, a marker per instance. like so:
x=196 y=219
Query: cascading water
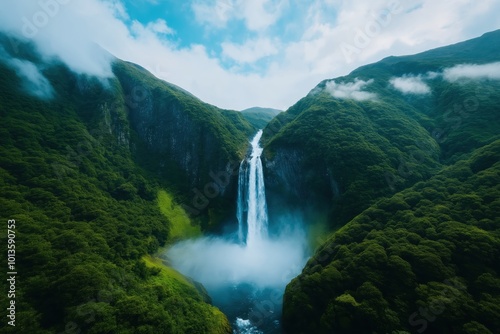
x=246 y=280
x=251 y=206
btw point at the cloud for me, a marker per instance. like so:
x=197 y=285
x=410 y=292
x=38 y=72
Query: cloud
x=410 y=85
x=33 y=81
x=308 y=36
x=261 y=14
x=350 y=90
x=216 y=14
x=489 y=71
x=258 y=15
x=251 y=51
x=64 y=30
x=160 y=26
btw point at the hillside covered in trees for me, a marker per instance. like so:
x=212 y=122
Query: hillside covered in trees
x=403 y=156
x=91 y=172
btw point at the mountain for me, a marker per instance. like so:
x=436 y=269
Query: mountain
x=341 y=154
x=98 y=174
x=402 y=157
x=260 y=117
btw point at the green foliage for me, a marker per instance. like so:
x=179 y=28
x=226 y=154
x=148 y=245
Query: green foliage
x=259 y=117
x=182 y=140
x=412 y=187
x=181 y=225
x=87 y=212
x=349 y=153
x=428 y=255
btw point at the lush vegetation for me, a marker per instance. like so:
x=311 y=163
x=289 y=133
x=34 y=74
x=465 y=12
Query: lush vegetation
x=184 y=142
x=259 y=117
x=424 y=259
x=352 y=153
x=88 y=211
x=412 y=182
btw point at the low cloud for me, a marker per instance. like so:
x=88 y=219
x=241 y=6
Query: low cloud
x=408 y=84
x=489 y=71
x=62 y=30
x=33 y=81
x=350 y=90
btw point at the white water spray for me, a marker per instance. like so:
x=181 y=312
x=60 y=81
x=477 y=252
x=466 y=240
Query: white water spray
x=252 y=207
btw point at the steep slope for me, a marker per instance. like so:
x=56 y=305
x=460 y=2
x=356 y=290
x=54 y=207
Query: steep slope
x=424 y=259
x=185 y=141
x=405 y=151
x=380 y=129
x=260 y=117
x=86 y=165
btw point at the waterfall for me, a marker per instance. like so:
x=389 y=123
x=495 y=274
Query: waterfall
x=251 y=206
x=246 y=280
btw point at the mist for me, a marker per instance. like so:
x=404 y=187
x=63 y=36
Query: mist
x=350 y=90
x=489 y=71
x=33 y=81
x=410 y=85
x=246 y=282
x=221 y=261
x=61 y=31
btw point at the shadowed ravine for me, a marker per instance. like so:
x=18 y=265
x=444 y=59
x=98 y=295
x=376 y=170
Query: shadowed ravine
x=246 y=279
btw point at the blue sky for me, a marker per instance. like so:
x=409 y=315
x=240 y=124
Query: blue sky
x=242 y=53
x=217 y=26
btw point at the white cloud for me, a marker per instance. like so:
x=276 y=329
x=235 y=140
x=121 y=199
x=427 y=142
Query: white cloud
x=250 y=52
x=257 y=14
x=260 y=14
x=65 y=31
x=350 y=90
x=34 y=81
x=312 y=55
x=410 y=85
x=472 y=72
x=160 y=26
x=216 y=14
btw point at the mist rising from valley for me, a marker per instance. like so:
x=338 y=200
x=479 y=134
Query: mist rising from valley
x=246 y=272
x=246 y=282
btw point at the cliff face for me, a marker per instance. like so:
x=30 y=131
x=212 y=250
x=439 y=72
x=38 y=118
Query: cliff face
x=193 y=145
x=284 y=172
x=345 y=154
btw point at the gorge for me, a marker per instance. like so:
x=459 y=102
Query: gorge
x=246 y=273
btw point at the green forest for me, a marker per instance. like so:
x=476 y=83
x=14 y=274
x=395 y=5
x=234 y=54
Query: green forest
x=411 y=186
x=90 y=208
